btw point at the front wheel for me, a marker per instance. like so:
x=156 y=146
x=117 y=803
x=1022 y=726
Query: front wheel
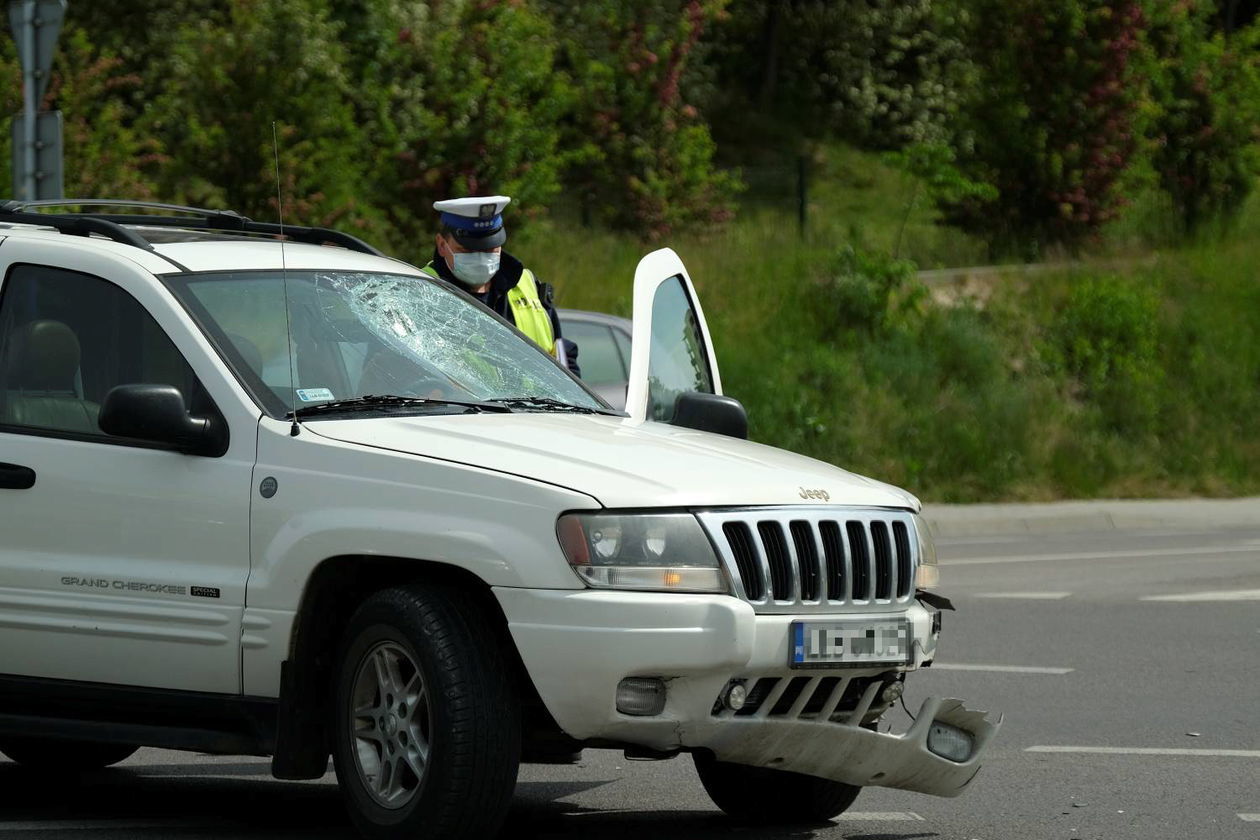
x=772 y=797
x=74 y=756
x=427 y=722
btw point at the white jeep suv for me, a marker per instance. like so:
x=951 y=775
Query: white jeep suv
x=290 y=497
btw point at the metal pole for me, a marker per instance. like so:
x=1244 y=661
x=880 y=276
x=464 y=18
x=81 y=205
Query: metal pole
x=30 y=107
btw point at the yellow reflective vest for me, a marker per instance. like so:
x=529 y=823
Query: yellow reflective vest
x=527 y=309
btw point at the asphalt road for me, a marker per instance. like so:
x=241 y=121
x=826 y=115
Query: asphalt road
x=1127 y=664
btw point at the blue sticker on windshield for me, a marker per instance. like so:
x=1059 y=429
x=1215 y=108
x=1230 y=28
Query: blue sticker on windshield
x=314 y=394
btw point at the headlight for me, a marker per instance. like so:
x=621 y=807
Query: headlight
x=928 y=574
x=666 y=552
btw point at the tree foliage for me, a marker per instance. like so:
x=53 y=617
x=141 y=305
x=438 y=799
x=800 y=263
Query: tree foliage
x=877 y=73
x=273 y=62
x=458 y=98
x=1024 y=121
x=1206 y=91
x=647 y=158
x=105 y=153
x=1055 y=117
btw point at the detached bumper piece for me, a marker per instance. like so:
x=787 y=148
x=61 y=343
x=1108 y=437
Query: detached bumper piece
x=939 y=755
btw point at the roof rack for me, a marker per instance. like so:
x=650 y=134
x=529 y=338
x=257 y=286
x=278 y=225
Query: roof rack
x=111 y=225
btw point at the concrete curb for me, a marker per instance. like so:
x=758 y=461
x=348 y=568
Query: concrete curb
x=953 y=521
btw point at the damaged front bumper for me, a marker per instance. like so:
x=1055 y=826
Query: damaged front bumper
x=850 y=753
x=577 y=647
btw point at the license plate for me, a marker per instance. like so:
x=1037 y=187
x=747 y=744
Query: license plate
x=862 y=642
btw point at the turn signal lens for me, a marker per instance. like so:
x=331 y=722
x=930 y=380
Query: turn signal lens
x=928 y=574
x=927 y=577
x=647 y=577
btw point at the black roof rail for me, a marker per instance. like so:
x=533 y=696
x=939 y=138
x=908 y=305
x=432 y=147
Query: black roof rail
x=110 y=202
x=74 y=225
x=110 y=225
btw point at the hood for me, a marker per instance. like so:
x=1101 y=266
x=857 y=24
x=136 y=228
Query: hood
x=619 y=462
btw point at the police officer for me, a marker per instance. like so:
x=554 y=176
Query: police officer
x=469 y=253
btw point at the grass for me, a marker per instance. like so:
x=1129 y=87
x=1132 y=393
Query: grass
x=1087 y=383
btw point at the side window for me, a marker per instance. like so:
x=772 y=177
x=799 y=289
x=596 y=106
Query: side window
x=66 y=339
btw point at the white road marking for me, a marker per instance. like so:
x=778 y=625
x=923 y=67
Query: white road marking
x=861 y=816
x=1249 y=817
x=1000 y=669
x=1104 y=555
x=881 y=816
x=265 y=774
x=627 y=811
x=1029 y=596
x=1227 y=595
x=1147 y=751
x=93 y=825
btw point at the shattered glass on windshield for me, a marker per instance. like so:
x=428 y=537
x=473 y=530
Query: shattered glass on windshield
x=353 y=334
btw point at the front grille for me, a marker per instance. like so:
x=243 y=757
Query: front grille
x=775 y=546
x=740 y=541
x=783 y=560
x=807 y=556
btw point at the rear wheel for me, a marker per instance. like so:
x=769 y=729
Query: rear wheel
x=766 y=796
x=74 y=756
x=427 y=720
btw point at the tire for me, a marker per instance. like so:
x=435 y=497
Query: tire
x=427 y=736
x=772 y=797
x=48 y=754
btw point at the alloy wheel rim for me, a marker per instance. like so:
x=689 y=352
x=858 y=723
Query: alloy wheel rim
x=390 y=725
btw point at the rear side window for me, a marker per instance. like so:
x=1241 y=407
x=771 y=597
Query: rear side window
x=66 y=339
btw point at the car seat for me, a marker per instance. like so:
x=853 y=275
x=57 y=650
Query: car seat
x=39 y=380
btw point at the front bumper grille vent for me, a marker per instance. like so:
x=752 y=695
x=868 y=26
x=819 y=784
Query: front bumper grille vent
x=833 y=698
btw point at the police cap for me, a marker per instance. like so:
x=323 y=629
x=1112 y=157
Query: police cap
x=476 y=222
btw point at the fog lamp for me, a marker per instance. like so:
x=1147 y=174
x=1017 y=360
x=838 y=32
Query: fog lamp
x=892 y=691
x=949 y=741
x=641 y=696
x=735 y=697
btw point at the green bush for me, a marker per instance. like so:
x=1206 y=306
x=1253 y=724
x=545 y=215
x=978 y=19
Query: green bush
x=1107 y=336
x=869 y=291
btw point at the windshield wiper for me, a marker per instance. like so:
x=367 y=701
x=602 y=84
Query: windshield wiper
x=545 y=404
x=387 y=401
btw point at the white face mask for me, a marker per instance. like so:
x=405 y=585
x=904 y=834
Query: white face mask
x=475 y=267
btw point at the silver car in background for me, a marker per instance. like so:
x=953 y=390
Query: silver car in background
x=603 y=351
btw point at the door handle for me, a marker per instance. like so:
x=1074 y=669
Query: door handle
x=14 y=477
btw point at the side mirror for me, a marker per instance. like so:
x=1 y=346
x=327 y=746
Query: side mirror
x=711 y=413
x=157 y=413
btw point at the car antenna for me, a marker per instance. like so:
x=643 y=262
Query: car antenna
x=284 y=280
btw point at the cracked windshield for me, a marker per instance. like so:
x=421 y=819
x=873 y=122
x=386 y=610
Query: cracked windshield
x=359 y=334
